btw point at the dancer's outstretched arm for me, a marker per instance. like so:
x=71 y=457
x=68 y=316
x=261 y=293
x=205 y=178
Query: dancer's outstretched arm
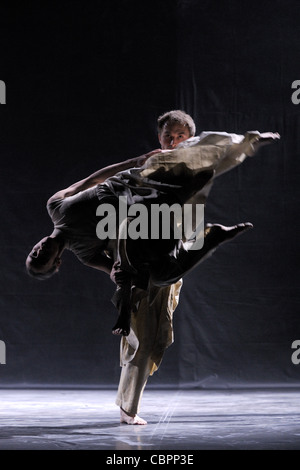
x=237 y=153
x=101 y=175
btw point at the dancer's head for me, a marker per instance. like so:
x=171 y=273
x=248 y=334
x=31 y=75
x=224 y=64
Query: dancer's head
x=44 y=259
x=174 y=127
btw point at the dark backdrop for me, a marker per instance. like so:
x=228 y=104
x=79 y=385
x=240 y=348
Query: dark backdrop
x=85 y=83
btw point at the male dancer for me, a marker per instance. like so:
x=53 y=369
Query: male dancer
x=152 y=303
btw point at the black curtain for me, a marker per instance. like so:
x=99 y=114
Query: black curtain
x=85 y=82
x=239 y=311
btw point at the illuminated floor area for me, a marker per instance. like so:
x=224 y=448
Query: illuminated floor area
x=177 y=420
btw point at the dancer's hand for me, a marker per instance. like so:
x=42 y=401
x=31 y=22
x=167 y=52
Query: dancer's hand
x=118 y=275
x=268 y=137
x=265 y=138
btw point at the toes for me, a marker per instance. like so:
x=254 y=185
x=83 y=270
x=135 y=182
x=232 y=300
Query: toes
x=120 y=331
x=116 y=331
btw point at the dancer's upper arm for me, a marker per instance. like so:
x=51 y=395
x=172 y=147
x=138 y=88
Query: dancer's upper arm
x=100 y=176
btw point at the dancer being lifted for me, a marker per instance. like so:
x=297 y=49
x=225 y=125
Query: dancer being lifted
x=182 y=171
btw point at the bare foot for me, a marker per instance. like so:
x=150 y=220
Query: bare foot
x=265 y=139
x=223 y=233
x=125 y=418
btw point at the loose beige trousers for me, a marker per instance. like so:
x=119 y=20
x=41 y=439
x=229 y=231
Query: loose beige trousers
x=142 y=350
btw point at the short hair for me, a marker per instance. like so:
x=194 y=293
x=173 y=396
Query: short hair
x=39 y=275
x=176 y=116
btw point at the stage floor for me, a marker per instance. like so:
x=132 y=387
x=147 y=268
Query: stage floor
x=177 y=420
